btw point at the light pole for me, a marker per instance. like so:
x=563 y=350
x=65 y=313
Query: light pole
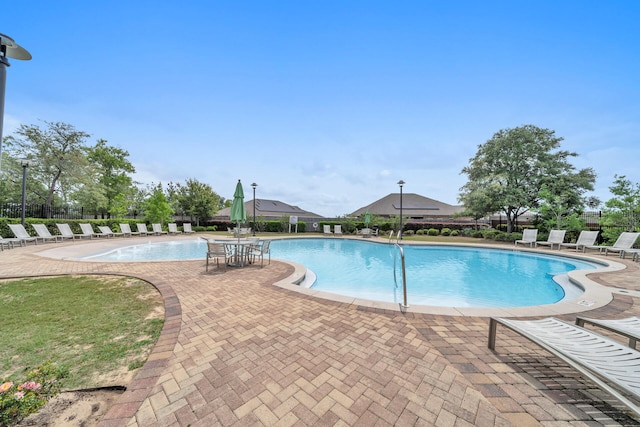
x=254 y=185
x=400 y=183
x=25 y=163
x=8 y=49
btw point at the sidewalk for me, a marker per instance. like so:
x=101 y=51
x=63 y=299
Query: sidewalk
x=236 y=350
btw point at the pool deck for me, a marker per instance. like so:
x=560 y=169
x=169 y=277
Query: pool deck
x=237 y=350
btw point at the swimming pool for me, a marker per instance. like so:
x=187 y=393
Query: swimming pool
x=447 y=276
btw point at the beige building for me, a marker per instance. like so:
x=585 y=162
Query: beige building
x=414 y=206
x=272 y=209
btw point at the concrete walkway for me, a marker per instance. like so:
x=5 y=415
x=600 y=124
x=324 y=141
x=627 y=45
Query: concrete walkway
x=237 y=351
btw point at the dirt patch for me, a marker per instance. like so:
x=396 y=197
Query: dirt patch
x=74 y=409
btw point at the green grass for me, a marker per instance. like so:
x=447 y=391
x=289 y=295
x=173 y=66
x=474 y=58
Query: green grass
x=92 y=325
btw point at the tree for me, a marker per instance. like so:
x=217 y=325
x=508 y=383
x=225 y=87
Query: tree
x=157 y=208
x=623 y=210
x=112 y=171
x=58 y=157
x=196 y=199
x=509 y=170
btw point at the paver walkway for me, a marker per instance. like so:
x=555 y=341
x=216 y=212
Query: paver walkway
x=237 y=351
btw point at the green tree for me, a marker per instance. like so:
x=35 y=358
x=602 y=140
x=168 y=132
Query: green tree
x=157 y=208
x=58 y=155
x=196 y=199
x=623 y=210
x=509 y=170
x=112 y=173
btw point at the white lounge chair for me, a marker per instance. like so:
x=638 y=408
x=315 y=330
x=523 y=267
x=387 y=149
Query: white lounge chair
x=173 y=228
x=157 y=229
x=9 y=243
x=125 y=229
x=65 y=231
x=326 y=229
x=624 y=242
x=585 y=238
x=142 y=228
x=614 y=367
x=19 y=231
x=628 y=327
x=186 y=227
x=44 y=233
x=337 y=230
x=529 y=236
x=555 y=238
x=87 y=230
x=107 y=232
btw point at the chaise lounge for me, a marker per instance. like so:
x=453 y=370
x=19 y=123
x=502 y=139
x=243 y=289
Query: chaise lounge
x=585 y=239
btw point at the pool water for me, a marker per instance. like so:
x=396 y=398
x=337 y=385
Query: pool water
x=436 y=275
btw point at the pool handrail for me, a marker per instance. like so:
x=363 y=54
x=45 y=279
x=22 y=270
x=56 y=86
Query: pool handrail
x=404 y=305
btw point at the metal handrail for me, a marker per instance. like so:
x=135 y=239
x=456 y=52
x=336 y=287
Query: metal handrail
x=404 y=306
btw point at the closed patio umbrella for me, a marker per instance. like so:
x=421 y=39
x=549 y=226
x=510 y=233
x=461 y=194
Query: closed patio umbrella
x=238 y=212
x=367 y=219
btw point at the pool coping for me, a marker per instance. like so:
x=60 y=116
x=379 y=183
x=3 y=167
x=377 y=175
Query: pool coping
x=595 y=295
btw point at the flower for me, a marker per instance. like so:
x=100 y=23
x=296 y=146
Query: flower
x=30 y=385
x=6 y=386
x=18 y=394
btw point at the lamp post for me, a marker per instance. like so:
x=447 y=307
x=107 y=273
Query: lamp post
x=25 y=163
x=8 y=49
x=254 y=185
x=400 y=183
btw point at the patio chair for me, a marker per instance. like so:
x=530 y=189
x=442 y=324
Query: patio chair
x=65 y=231
x=87 y=230
x=9 y=243
x=628 y=327
x=19 y=231
x=555 y=238
x=106 y=230
x=259 y=250
x=44 y=233
x=624 y=242
x=217 y=250
x=529 y=236
x=157 y=229
x=614 y=367
x=337 y=230
x=125 y=229
x=142 y=228
x=585 y=238
x=326 y=229
x=173 y=228
x=186 y=228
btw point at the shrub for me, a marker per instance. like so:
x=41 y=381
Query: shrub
x=477 y=234
x=420 y=232
x=455 y=232
x=445 y=231
x=408 y=232
x=433 y=232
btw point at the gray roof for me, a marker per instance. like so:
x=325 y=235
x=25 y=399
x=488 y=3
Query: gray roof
x=269 y=209
x=413 y=206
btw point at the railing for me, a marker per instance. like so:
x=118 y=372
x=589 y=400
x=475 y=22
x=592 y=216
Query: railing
x=404 y=304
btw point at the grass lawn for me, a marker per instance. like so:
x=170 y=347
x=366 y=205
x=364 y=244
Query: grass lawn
x=94 y=326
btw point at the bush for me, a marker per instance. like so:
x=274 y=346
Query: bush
x=445 y=231
x=455 y=233
x=433 y=232
x=420 y=232
x=478 y=234
x=408 y=232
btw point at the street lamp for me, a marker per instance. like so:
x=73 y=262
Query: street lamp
x=254 y=185
x=25 y=163
x=8 y=49
x=400 y=183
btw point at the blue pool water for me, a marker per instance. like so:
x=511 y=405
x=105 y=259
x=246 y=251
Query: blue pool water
x=436 y=275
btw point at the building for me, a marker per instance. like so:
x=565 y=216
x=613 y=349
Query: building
x=414 y=206
x=273 y=210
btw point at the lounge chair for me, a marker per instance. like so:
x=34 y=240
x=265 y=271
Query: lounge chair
x=337 y=230
x=44 y=233
x=65 y=231
x=87 y=230
x=186 y=227
x=327 y=229
x=106 y=230
x=555 y=238
x=585 y=238
x=628 y=327
x=125 y=229
x=157 y=229
x=624 y=242
x=8 y=243
x=529 y=236
x=19 y=231
x=142 y=228
x=259 y=251
x=217 y=250
x=614 y=367
x=173 y=228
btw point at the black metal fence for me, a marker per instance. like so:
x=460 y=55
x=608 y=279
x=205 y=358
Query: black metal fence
x=14 y=210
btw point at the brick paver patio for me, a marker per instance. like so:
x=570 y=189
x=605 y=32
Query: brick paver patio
x=236 y=351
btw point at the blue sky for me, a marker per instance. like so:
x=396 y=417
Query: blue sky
x=328 y=104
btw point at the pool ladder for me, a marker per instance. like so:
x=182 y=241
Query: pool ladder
x=404 y=305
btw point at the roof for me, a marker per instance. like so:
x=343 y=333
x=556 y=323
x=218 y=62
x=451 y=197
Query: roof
x=413 y=206
x=270 y=208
